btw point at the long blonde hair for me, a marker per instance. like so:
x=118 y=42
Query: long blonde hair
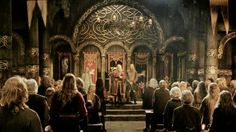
x=14 y=93
x=69 y=89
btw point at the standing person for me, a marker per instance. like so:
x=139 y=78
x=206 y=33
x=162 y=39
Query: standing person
x=93 y=105
x=68 y=107
x=118 y=83
x=38 y=102
x=224 y=116
x=175 y=94
x=199 y=93
x=186 y=118
x=14 y=113
x=87 y=78
x=132 y=86
x=148 y=93
x=45 y=83
x=208 y=105
x=161 y=97
x=101 y=93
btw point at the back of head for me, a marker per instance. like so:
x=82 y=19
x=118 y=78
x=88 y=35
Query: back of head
x=175 y=92
x=187 y=97
x=153 y=83
x=32 y=86
x=225 y=99
x=213 y=90
x=14 y=92
x=162 y=84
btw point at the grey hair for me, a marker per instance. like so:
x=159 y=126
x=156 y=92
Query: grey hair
x=175 y=92
x=187 y=97
x=153 y=83
x=32 y=86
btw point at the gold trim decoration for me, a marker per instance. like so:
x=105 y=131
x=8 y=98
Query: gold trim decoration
x=212 y=52
x=3 y=65
x=200 y=71
x=34 y=52
x=4 y=41
x=211 y=70
x=32 y=69
x=225 y=72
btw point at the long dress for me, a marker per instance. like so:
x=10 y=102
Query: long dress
x=117 y=84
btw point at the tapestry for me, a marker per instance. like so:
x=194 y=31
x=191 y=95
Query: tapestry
x=90 y=62
x=141 y=64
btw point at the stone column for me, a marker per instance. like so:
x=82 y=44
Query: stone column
x=103 y=67
x=5 y=40
x=76 y=64
x=128 y=61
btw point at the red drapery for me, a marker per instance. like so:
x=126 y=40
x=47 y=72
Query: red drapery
x=90 y=61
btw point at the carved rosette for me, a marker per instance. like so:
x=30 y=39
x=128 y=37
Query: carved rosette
x=192 y=57
x=32 y=69
x=34 y=52
x=225 y=72
x=76 y=57
x=190 y=71
x=45 y=56
x=4 y=41
x=212 y=52
x=46 y=71
x=3 y=65
x=200 y=71
x=211 y=70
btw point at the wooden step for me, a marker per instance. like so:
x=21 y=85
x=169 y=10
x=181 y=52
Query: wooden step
x=125 y=111
x=123 y=117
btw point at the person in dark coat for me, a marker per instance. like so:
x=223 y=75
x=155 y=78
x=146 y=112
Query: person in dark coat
x=148 y=93
x=101 y=93
x=161 y=97
x=174 y=102
x=224 y=115
x=15 y=116
x=186 y=118
x=68 y=107
x=38 y=102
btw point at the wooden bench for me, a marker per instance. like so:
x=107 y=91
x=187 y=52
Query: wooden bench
x=148 y=118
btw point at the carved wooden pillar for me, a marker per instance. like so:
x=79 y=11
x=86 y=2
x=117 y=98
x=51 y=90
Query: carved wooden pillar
x=154 y=61
x=211 y=66
x=5 y=40
x=128 y=61
x=32 y=58
x=103 y=67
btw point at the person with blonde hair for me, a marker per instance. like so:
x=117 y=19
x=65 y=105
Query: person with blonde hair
x=224 y=115
x=14 y=113
x=208 y=104
x=68 y=107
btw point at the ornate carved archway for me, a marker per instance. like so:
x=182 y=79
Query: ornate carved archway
x=223 y=43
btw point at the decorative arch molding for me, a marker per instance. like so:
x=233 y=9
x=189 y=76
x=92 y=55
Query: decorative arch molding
x=131 y=3
x=63 y=38
x=137 y=44
x=117 y=43
x=19 y=41
x=223 y=43
x=90 y=43
x=169 y=41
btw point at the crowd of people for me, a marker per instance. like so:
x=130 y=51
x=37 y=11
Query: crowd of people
x=66 y=105
x=58 y=106
x=202 y=106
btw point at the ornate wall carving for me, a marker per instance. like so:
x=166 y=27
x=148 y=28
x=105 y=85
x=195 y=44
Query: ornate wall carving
x=223 y=42
x=103 y=31
x=212 y=52
x=192 y=57
x=212 y=70
x=34 y=52
x=32 y=69
x=5 y=41
x=3 y=65
x=169 y=41
x=64 y=38
x=225 y=72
